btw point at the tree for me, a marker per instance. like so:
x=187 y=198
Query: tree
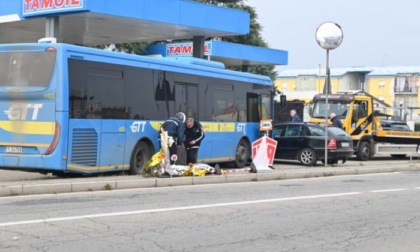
x=134 y=48
x=253 y=38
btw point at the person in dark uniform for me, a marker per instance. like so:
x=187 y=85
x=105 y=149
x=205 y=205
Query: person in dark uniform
x=336 y=121
x=194 y=134
x=175 y=128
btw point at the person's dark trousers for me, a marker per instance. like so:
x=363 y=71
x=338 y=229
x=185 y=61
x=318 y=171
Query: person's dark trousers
x=192 y=155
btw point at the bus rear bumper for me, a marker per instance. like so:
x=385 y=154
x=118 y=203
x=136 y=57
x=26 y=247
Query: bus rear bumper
x=29 y=162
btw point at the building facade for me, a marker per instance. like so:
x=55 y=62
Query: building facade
x=398 y=87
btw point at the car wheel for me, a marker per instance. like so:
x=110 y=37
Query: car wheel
x=363 y=152
x=307 y=157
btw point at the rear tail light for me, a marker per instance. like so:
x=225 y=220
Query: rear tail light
x=332 y=144
x=54 y=142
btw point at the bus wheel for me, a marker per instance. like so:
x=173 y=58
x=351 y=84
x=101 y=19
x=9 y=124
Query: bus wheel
x=242 y=154
x=140 y=157
x=363 y=152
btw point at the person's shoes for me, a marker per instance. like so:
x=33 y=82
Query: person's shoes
x=164 y=175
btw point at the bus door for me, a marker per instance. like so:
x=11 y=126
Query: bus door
x=225 y=114
x=106 y=100
x=112 y=145
x=97 y=100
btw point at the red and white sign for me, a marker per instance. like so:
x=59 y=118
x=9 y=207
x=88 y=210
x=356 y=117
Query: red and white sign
x=263 y=151
x=185 y=49
x=38 y=7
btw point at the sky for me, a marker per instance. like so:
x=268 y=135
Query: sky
x=377 y=33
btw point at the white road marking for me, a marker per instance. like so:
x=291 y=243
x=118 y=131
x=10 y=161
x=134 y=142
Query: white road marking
x=89 y=216
x=390 y=190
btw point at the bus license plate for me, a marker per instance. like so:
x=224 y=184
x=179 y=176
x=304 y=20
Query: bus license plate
x=14 y=149
x=345 y=144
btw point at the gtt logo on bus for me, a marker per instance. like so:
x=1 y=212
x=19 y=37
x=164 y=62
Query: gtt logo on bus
x=33 y=7
x=21 y=111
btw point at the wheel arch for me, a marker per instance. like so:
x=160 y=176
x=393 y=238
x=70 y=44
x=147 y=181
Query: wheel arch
x=136 y=166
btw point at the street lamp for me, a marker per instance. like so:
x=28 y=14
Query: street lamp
x=329 y=36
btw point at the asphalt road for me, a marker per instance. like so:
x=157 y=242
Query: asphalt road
x=375 y=212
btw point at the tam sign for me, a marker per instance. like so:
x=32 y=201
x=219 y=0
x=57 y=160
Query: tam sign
x=40 y=7
x=185 y=49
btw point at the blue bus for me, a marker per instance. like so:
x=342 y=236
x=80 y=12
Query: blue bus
x=73 y=109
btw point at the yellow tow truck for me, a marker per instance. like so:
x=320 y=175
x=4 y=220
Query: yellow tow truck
x=356 y=111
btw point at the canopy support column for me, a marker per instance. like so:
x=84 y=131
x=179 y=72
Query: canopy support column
x=198 y=47
x=52 y=27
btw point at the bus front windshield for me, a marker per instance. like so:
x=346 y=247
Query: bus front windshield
x=338 y=107
x=31 y=69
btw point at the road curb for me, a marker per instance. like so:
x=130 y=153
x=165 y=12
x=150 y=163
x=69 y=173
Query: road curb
x=56 y=186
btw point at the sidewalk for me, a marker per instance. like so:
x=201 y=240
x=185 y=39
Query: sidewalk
x=281 y=172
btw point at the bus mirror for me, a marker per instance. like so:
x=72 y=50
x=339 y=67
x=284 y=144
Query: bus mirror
x=282 y=101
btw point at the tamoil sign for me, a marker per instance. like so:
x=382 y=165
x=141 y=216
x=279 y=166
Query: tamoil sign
x=41 y=7
x=185 y=49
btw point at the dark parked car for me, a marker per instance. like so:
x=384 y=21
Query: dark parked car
x=394 y=125
x=305 y=142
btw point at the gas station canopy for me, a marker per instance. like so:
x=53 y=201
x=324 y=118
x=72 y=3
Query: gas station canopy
x=100 y=22
x=93 y=22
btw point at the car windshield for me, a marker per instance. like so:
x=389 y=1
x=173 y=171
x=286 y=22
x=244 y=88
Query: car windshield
x=401 y=126
x=340 y=108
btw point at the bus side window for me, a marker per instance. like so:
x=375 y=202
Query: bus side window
x=224 y=109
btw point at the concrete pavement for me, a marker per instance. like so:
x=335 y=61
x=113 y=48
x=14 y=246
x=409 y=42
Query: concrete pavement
x=44 y=184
